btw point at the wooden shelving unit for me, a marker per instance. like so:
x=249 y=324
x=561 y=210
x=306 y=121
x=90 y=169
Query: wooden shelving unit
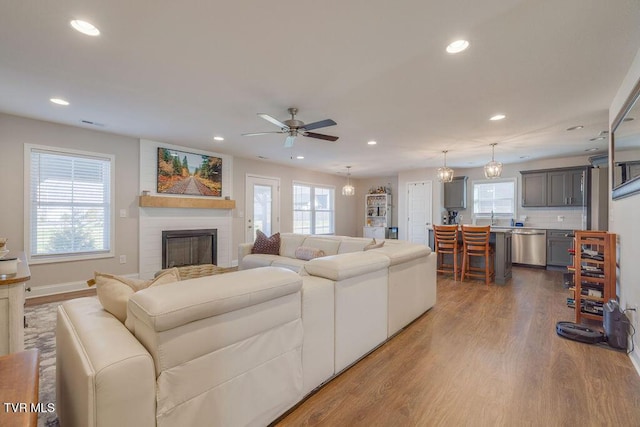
x=185 y=202
x=595 y=273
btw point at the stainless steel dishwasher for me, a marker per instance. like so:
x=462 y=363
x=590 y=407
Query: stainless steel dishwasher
x=529 y=247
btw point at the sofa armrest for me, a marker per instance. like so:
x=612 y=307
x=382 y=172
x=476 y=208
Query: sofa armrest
x=244 y=249
x=104 y=376
x=344 y=266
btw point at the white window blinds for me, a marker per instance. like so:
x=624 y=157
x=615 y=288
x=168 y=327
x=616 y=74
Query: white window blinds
x=70 y=204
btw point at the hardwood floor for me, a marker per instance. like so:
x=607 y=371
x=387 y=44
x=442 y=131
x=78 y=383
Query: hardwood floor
x=483 y=356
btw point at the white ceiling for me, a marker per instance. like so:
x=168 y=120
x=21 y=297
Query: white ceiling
x=183 y=71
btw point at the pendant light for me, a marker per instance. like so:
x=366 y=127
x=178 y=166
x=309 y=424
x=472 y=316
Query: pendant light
x=348 y=189
x=493 y=169
x=445 y=174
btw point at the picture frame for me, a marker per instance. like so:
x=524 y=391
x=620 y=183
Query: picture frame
x=190 y=174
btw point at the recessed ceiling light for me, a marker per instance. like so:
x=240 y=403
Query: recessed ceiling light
x=85 y=27
x=457 y=46
x=576 y=127
x=525 y=157
x=218 y=138
x=372 y=142
x=597 y=138
x=498 y=117
x=591 y=149
x=59 y=101
x=299 y=157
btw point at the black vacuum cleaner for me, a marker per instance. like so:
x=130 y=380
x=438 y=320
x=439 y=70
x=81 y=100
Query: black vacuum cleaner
x=615 y=325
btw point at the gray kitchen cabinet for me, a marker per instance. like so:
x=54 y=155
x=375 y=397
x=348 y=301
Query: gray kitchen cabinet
x=554 y=187
x=565 y=187
x=455 y=193
x=558 y=244
x=534 y=189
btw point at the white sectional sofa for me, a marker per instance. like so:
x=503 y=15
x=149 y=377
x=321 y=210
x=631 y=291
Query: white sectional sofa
x=239 y=348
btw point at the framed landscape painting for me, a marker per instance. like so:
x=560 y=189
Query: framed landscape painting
x=190 y=174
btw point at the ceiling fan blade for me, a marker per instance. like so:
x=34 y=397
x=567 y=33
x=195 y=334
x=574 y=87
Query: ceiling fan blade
x=320 y=124
x=320 y=136
x=261 y=133
x=288 y=143
x=274 y=121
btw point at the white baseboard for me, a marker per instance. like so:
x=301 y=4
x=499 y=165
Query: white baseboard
x=234 y=263
x=61 y=288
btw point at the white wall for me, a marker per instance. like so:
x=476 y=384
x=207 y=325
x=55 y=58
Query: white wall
x=623 y=220
x=14 y=133
x=153 y=221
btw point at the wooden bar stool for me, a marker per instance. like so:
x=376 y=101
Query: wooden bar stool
x=475 y=243
x=446 y=243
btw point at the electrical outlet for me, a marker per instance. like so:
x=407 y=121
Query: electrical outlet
x=123 y=259
x=123 y=213
x=560 y=218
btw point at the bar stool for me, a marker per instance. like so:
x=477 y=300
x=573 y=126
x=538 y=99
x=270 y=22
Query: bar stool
x=446 y=243
x=475 y=243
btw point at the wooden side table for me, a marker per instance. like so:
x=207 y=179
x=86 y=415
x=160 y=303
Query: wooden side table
x=12 y=306
x=19 y=383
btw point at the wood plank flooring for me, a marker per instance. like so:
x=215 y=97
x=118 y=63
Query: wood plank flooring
x=483 y=356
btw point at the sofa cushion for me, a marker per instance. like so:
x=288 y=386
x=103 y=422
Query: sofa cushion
x=266 y=245
x=169 y=307
x=328 y=245
x=258 y=260
x=353 y=244
x=306 y=253
x=289 y=242
x=114 y=291
x=345 y=266
x=400 y=252
x=374 y=245
x=292 y=264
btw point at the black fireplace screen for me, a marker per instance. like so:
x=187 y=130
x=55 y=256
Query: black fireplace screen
x=189 y=247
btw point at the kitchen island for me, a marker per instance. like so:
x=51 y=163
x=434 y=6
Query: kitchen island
x=501 y=240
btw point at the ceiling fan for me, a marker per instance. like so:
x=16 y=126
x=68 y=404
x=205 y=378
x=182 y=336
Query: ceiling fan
x=294 y=127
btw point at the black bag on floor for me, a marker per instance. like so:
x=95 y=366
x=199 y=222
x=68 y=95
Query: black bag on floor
x=580 y=333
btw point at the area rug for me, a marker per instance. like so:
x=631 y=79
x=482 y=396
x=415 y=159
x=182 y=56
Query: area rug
x=40 y=334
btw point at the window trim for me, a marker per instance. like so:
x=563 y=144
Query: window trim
x=313 y=211
x=48 y=259
x=497 y=215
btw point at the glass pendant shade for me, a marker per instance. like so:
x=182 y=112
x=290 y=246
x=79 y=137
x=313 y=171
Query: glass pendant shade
x=348 y=189
x=493 y=169
x=445 y=174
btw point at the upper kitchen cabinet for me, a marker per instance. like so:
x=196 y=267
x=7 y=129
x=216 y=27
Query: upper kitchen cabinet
x=455 y=193
x=554 y=187
x=566 y=187
x=534 y=189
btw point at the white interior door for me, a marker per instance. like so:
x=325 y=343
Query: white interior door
x=418 y=211
x=262 y=206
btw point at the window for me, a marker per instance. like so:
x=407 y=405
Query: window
x=69 y=205
x=495 y=197
x=313 y=210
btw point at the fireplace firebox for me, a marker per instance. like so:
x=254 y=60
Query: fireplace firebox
x=189 y=247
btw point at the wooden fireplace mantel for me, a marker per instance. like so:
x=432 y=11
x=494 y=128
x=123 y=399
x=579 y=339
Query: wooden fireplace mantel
x=185 y=202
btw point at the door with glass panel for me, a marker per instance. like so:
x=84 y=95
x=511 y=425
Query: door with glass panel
x=262 y=206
